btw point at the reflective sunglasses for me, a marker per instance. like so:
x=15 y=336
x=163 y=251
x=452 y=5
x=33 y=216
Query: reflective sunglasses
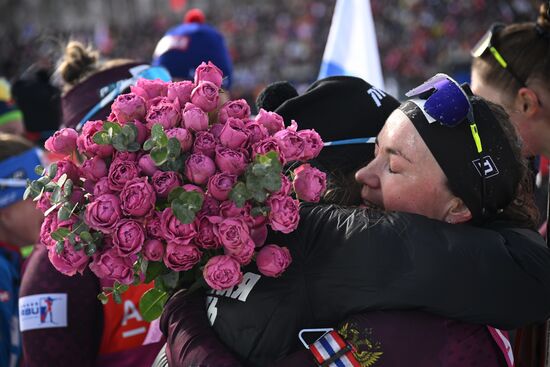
x=487 y=43
x=443 y=100
x=110 y=92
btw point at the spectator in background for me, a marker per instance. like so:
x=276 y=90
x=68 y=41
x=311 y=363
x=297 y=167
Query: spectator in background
x=187 y=45
x=11 y=118
x=40 y=102
x=19 y=227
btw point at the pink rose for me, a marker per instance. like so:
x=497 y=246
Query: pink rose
x=269 y=144
x=222 y=272
x=309 y=183
x=272 y=121
x=184 y=137
x=231 y=161
x=44 y=203
x=284 y=214
x=121 y=172
x=199 y=168
x=153 y=250
x=229 y=209
x=205 y=96
x=292 y=145
x=147 y=165
x=195 y=188
x=181 y=257
x=142 y=132
x=152 y=226
x=103 y=213
x=48 y=226
x=194 y=118
x=181 y=91
x=210 y=207
x=205 y=143
x=256 y=132
x=62 y=141
x=128 y=107
x=232 y=232
x=286 y=185
x=102 y=187
x=137 y=198
x=128 y=237
x=259 y=235
x=210 y=73
x=313 y=144
x=216 y=130
x=110 y=265
x=77 y=196
x=175 y=231
x=69 y=261
x=164 y=182
x=238 y=109
x=66 y=166
x=125 y=156
x=165 y=114
x=148 y=89
x=273 y=260
x=94 y=168
x=206 y=237
x=243 y=253
x=86 y=144
x=233 y=134
x=220 y=185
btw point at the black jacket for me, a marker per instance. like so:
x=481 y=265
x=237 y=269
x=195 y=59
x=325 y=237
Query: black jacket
x=348 y=261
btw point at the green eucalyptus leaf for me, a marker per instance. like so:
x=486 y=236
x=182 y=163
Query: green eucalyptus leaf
x=116 y=297
x=102 y=138
x=152 y=303
x=86 y=236
x=133 y=147
x=157 y=132
x=78 y=246
x=56 y=195
x=174 y=148
x=52 y=170
x=60 y=233
x=112 y=127
x=27 y=193
x=239 y=194
x=64 y=212
x=90 y=249
x=39 y=170
x=61 y=180
x=170 y=279
x=59 y=247
x=103 y=298
x=159 y=155
x=148 y=144
x=68 y=188
x=72 y=238
x=44 y=180
x=175 y=193
x=182 y=212
x=130 y=132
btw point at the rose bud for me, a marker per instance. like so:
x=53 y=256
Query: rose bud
x=152 y=226
x=273 y=260
x=216 y=130
x=269 y=144
x=244 y=252
x=147 y=165
x=194 y=118
x=128 y=107
x=103 y=213
x=128 y=237
x=233 y=134
x=102 y=187
x=210 y=73
x=181 y=257
x=313 y=144
x=62 y=141
x=86 y=144
x=284 y=213
x=272 y=121
x=210 y=207
x=309 y=183
x=165 y=181
x=259 y=235
x=237 y=109
x=69 y=261
x=94 y=169
x=199 y=168
x=121 y=172
x=205 y=96
x=165 y=114
x=222 y=272
x=66 y=166
x=220 y=185
x=205 y=143
x=137 y=198
x=184 y=137
x=256 y=132
x=153 y=250
x=181 y=91
x=232 y=232
x=125 y=156
x=108 y=264
x=206 y=237
x=175 y=231
x=195 y=188
x=292 y=145
x=142 y=133
x=231 y=161
x=148 y=89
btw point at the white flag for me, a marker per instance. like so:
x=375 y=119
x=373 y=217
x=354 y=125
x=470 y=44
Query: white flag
x=351 y=46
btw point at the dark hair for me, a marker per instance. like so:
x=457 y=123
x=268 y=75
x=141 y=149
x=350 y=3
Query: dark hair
x=525 y=47
x=12 y=145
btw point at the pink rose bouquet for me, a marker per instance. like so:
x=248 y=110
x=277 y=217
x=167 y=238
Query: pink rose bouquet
x=161 y=191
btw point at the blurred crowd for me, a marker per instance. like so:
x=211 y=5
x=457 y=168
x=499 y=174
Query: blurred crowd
x=268 y=40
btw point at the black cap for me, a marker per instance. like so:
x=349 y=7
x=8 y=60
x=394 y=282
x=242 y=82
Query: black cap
x=274 y=95
x=339 y=108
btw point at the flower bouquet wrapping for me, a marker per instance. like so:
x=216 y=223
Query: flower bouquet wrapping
x=172 y=189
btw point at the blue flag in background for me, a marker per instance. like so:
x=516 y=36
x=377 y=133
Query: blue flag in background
x=351 y=46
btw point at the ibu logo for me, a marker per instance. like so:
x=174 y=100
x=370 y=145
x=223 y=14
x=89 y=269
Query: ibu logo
x=43 y=311
x=488 y=167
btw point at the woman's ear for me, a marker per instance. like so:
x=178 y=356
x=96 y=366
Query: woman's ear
x=527 y=102
x=457 y=212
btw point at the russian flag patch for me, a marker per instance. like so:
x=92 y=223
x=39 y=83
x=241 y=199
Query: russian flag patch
x=331 y=350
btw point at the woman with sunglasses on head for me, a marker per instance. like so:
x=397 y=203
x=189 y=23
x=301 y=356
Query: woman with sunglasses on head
x=76 y=329
x=446 y=155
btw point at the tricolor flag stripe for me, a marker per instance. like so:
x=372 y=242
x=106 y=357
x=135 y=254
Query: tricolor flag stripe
x=328 y=345
x=349 y=360
x=316 y=354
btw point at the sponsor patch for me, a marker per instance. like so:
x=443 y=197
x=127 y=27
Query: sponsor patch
x=489 y=167
x=43 y=311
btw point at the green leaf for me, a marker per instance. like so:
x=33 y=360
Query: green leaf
x=64 y=212
x=173 y=148
x=239 y=194
x=39 y=170
x=103 y=298
x=52 y=208
x=119 y=143
x=117 y=297
x=133 y=147
x=90 y=249
x=148 y=145
x=170 y=280
x=59 y=247
x=27 y=193
x=130 y=131
x=86 y=236
x=157 y=132
x=112 y=127
x=56 y=195
x=159 y=155
x=192 y=199
x=102 y=138
x=72 y=238
x=78 y=246
x=175 y=193
x=182 y=212
x=259 y=210
x=61 y=180
x=152 y=303
x=60 y=233
x=154 y=270
x=52 y=170
x=68 y=188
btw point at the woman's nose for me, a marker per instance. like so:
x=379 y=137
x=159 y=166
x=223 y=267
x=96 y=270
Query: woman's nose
x=368 y=175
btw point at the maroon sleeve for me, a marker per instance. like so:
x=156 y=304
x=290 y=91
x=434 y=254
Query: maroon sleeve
x=190 y=339
x=77 y=344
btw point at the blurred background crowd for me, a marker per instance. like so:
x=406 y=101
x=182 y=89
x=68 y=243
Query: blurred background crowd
x=268 y=40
